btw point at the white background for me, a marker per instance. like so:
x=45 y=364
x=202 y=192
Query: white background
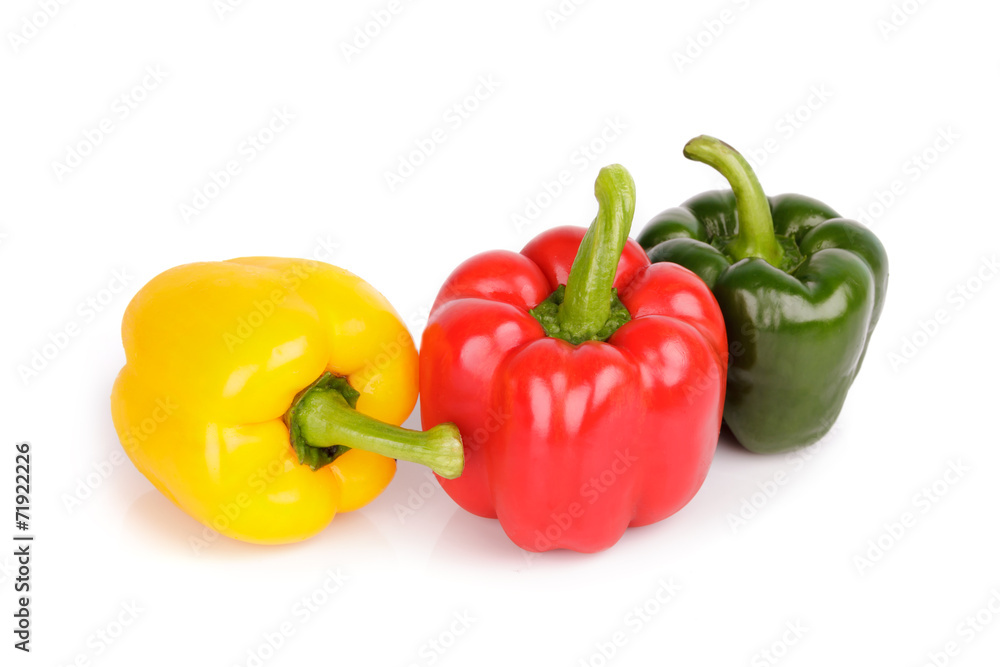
x=885 y=96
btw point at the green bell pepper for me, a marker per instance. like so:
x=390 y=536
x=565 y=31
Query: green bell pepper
x=801 y=290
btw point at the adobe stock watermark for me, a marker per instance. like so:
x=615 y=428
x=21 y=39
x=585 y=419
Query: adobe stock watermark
x=388 y=352
x=135 y=435
x=633 y=623
x=579 y=162
x=31 y=25
x=453 y=119
x=753 y=504
x=101 y=640
x=256 y=484
x=303 y=610
x=248 y=150
x=435 y=648
x=86 y=312
x=899 y=15
x=921 y=504
x=365 y=34
x=561 y=12
x=418 y=496
x=418 y=318
x=957 y=298
x=223 y=8
x=704 y=380
x=588 y=495
x=789 y=124
x=913 y=169
x=711 y=30
x=325 y=248
x=777 y=650
x=122 y=107
x=265 y=306
x=966 y=632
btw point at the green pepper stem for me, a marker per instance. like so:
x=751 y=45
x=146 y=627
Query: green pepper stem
x=588 y=299
x=755 y=235
x=322 y=418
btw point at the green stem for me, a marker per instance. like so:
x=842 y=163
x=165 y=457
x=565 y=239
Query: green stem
x=588 y=298
x=324 y=425
x=755 y=234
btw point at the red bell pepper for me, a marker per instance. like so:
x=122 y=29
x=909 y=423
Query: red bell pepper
x=587 y=408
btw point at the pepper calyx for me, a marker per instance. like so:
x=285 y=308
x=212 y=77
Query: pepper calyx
x=547 y=314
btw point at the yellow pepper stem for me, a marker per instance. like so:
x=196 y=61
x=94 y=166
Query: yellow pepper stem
x=324 y=424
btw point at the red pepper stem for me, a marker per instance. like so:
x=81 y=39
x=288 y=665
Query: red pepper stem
x=755 y=234
x=588 y=298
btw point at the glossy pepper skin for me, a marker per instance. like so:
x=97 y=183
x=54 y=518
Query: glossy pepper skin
x=219 y=355
x=570 y=439
x=800 y=287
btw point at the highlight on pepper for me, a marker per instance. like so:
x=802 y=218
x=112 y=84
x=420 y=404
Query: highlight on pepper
x=263 y=395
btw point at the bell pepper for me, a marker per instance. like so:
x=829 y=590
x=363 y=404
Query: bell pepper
x=588 y=385
x=801 y=290
x=262 y=395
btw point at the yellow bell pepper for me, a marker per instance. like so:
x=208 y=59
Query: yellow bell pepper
x=262 y=395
